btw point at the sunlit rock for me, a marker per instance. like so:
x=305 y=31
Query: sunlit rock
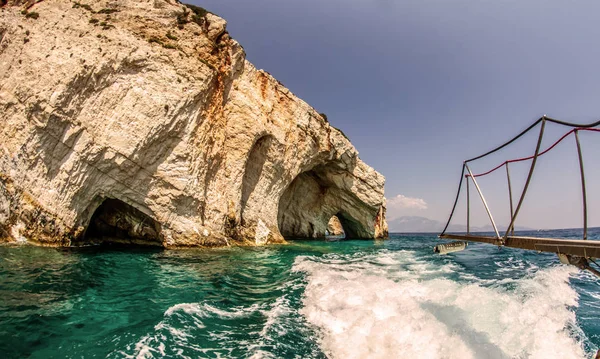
x=148 y=112
x=334 y=227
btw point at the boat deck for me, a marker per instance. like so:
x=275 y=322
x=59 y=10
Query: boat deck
x=576 y=247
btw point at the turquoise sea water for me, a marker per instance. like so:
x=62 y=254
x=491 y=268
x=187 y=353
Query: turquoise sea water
x=309 y=299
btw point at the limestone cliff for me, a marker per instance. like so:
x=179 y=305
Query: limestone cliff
x=142 y=120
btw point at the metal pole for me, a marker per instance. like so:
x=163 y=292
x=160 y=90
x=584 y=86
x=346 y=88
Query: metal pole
x=582 y=185
x=535 y=157
x=484 y=202
x=468 y=209
x=510 y=197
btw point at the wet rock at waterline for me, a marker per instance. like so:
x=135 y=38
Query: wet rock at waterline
x=143 y=120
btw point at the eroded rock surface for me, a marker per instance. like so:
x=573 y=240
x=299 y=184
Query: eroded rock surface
x=334 y=227
x=153 y=104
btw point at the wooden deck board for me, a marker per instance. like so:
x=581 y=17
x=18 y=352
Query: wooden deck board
x=578 y=247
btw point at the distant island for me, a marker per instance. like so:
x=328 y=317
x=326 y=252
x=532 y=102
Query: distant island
x=425 y=225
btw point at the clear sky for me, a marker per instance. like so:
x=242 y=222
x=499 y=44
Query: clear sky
x=419 y=86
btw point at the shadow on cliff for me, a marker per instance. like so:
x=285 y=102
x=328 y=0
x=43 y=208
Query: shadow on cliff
x=254 y=168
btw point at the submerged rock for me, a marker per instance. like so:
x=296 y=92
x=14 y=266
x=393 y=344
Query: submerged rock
x=145 y=119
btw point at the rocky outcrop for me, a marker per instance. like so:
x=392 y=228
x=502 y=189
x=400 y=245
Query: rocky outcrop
x=334 y=227
x=142 y=119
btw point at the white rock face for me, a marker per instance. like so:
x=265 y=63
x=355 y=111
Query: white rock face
x=153 y=104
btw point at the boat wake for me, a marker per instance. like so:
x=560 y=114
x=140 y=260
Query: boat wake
x=384 y=304
x=373 y=307
x=192 y=330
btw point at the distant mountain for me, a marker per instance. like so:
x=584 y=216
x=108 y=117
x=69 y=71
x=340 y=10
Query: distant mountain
x=414 y=224
x=422 y=224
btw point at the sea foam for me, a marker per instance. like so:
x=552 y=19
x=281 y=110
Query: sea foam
x=190 y=330
x=367 y=308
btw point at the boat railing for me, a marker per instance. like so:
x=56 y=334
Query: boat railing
x=571 y=251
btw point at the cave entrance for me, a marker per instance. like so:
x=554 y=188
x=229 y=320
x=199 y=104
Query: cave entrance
x=352 y=228
x=312 y=199
x=300 y=213
x=117 y=223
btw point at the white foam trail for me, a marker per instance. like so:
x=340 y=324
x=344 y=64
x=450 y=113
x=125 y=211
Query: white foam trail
x=373 y=312
x=153 y=344
x=280 y=309
x=279 y=317
x=204 y=310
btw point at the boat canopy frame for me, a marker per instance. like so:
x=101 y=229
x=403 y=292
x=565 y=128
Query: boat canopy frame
x=576 y=252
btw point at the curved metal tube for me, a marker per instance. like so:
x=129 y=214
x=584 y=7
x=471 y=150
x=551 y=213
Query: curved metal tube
x=535 y=157
x=462 y=172
x=582 y=185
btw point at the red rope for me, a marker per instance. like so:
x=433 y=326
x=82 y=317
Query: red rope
x=541 y=153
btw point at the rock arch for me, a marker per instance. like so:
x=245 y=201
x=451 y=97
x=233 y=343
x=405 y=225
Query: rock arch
x=116 y=222
x=352 y=228
x=314 y=196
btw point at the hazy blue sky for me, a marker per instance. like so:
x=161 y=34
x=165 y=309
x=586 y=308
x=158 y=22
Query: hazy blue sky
x=419 y=86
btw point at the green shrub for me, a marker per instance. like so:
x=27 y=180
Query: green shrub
x=208 y=64
x=324 y=117
x=169 y=46
x=77 y=5
x=105 y=25
x=182 y=18
x=108 y=11
x=199 y=11
x=155 y=40
x=32 y=15
x=171 y=36
x=199 y=15
x=198 y=19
